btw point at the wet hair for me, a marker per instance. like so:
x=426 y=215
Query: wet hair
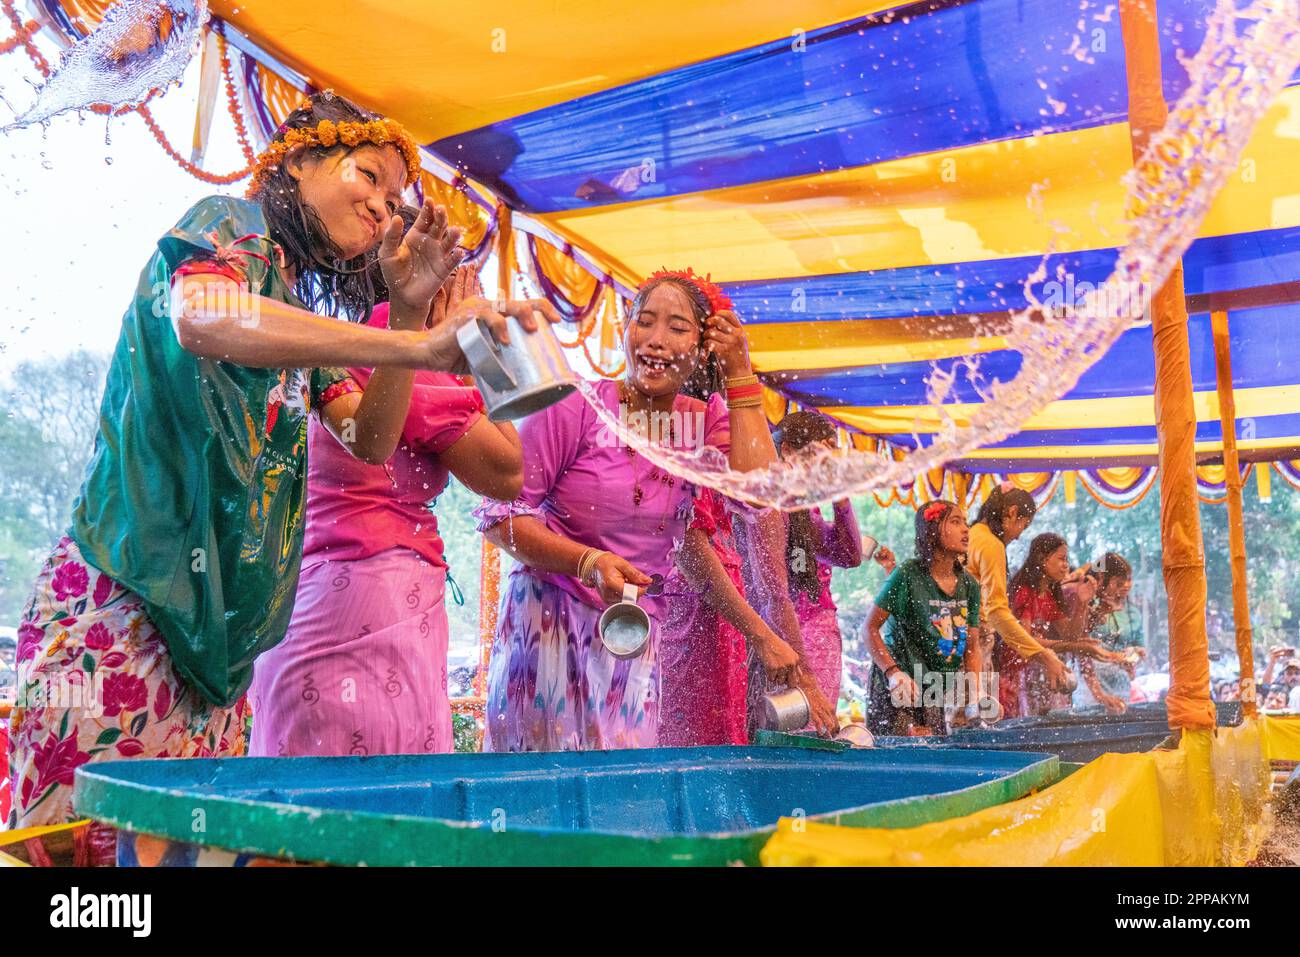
x=707 y=378
x=799 y=430
x=326 y=283
x=928 y=532
x=993 y=512
x=1110 y=567
x=1032 y=573
x=408 y=214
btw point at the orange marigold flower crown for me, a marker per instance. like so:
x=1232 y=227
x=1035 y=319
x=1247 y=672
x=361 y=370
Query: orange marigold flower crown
x=718 y=300
x=327 y=133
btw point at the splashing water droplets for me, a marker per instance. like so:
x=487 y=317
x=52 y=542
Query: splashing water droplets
x=128 y=55
x=1244 y=62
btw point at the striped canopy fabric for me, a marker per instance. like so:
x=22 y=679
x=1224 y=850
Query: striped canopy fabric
x=872 y=183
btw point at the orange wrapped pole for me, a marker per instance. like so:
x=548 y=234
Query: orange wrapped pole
x=1183 y=556
x=489 y=593
x=1236 y=526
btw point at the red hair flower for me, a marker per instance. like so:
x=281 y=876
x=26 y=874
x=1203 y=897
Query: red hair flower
x=934 y=511
x=718 y=300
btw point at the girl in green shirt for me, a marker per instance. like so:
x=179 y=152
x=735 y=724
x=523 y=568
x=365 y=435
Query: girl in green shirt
x=930 y=610
x=181 y=562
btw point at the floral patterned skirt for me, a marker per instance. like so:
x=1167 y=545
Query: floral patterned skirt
x=96 y=683
x=552 y=686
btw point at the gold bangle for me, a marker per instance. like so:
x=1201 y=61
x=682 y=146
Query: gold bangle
x=741 y=380
x=587 y=563
x=580 y=574
x=751 y=403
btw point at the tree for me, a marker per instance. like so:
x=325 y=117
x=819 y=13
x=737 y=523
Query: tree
x=45 y=443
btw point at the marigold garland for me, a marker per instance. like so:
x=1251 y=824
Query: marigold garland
x=327 y=133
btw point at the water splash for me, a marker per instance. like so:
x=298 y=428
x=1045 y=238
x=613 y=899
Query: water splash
x=1246 y=59
x=139 y=47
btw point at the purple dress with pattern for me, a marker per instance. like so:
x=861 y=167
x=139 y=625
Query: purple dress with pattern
x=552 y=686
x=839 y=545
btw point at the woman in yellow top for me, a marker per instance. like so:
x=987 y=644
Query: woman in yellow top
x=1003 y=518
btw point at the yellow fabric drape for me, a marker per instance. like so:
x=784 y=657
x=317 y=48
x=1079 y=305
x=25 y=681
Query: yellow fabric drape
x=1199 y=805
x=462 y=211
x=574 y=282
x=281 y=98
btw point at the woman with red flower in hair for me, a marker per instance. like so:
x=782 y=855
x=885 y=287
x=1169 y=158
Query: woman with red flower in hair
x=594 y=517
x=930 y=609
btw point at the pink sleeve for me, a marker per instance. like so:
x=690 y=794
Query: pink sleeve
x=439 y=414
x=705 y=516
x=550 y=440
x=839 y=542
x=717 y=426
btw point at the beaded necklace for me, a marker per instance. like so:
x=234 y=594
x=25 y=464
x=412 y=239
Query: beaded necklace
x=666 y=478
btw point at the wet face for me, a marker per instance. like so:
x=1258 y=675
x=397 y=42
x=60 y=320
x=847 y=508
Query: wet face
x=1014 y=523
x=1057 y=565
x=354 y=193
x=1115 y=592
x=662 y=344
x=813 y=449
x=954 y=535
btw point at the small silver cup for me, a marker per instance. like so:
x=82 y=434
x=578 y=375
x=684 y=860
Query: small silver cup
x=522 y=377
x=856 y=736
x=624 y=627
x=786 y=710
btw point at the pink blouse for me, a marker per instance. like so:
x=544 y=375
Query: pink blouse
x=356 y=510
x=580 y=481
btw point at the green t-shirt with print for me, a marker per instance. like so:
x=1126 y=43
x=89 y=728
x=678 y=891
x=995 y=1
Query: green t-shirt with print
x=927 y=626
x=194 y=494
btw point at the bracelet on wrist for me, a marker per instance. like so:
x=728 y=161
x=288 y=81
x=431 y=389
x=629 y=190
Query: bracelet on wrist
x=739 y=380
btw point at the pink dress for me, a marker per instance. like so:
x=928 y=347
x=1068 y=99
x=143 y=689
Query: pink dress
x=839 y=545
x=552 y=685
x=703 y=657
x=363 y=669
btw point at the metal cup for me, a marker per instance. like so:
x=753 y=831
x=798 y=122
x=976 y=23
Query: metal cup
x=786 y=710
x=624 y=627
x=857 y=736
x=520 y=378
x=869 y=546
x=986 y=711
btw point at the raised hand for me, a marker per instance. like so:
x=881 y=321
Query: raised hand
x=724 y=338
x=416 y=265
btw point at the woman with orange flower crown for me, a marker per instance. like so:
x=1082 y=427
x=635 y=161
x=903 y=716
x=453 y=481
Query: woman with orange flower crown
x=182 y=558
x=594 y=517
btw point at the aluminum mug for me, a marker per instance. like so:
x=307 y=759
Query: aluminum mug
x=624 y=627
x=786 y=710
x=522 y=377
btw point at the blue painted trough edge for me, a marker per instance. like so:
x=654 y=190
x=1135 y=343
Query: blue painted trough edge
x=351 y=837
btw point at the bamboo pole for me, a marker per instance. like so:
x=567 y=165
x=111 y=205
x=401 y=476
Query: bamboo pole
x=1183 y=560
x=489 y=595
x=1236 y=525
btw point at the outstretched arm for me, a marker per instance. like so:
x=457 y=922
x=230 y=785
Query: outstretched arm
x=703 y=570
